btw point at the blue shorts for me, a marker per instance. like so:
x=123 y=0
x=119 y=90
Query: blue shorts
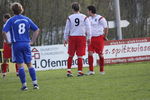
x=21 y=52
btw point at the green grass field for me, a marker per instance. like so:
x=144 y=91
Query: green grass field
x=121 y=82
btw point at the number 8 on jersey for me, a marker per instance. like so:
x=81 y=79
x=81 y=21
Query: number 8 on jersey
x=21 y=29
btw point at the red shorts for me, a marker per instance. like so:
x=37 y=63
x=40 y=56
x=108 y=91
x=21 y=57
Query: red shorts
x=77 y=44
x=7 y=50
x=97 y=44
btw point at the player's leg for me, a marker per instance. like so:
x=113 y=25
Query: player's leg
x=80 y=51
x=17 y=55
x=4 y=67
x=101 y=63
x=69 y=64
x=32 y=73
x=22 y=76
x=14 y=61
x=80 y=66
x=71 y=51
x=16 y=66
x=27 y=59
x=99 y=51
x=90 y=61
x=91 y=50
x=6 y=56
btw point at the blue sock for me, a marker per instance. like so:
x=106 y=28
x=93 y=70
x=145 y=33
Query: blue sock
x=22 y=75
x=32 y=73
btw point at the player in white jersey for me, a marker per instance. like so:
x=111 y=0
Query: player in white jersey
x=7 y=50
x=76 y=30
x=99 y=32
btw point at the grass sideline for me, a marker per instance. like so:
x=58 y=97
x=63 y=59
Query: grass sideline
x=121 y=82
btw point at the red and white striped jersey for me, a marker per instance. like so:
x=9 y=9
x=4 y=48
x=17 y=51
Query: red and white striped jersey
x=98 y=23
x=77 y=25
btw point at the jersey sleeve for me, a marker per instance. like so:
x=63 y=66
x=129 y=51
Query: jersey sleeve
x=67 y=29
x=88 y=28
x=7 y=26
x=103 y=22
x=33 y=26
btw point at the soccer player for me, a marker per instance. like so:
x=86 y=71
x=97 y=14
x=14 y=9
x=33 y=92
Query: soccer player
x=99 y=32
x=7 y=50
x=76 y=29
x=19 y=27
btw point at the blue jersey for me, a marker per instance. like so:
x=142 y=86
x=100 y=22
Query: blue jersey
x=19 y=27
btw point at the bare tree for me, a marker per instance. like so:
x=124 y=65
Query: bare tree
x=51 y=15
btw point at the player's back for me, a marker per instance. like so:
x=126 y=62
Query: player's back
x=77 y=24
x=98 y=23
x=20 y=28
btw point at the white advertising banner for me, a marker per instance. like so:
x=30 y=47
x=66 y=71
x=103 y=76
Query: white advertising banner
x=115 y=51
x=53 y=57
x=128 y=50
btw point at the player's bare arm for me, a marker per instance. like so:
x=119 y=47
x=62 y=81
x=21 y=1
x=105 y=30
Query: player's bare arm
x=34 y=37
x=105 y=34
x=5 y=37
x=88 y=41
x=65 y=42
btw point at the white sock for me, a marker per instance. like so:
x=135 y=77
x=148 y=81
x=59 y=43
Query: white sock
x=68 y=69
x=34 y=82
x=24 y=84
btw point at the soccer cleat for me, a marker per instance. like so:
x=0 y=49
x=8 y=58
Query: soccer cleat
x=90 y=73
x=80 y=74
x=17 y=74
x=3 y=76
x=102 y=73
x=69 y=74
x=24 y=88
x=35 y=86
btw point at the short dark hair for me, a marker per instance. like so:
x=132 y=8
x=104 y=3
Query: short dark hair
x=7 y=16
x=17 y=8
x=92 y=9
x=76 y=6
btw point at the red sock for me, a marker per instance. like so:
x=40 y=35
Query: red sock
x=90 y=61
x=16 y=67
x=101 y=63
x=4 y=68
x=69 y=64
x=80 y=64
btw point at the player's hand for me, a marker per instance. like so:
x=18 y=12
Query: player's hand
x=31 y=43
x=105 y=38
x=88 y=41
x=65 y=42
x=9 y=43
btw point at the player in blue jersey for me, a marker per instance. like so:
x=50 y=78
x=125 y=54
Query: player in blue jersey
x=19 y=27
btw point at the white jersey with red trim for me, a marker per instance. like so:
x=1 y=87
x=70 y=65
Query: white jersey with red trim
x=8 y=37
x=98 y=23
x=77 y=25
